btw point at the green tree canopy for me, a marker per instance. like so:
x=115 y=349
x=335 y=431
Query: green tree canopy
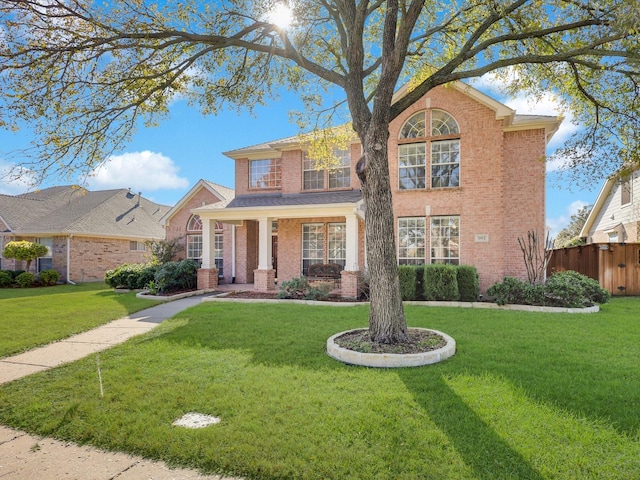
x=570 y=235
x=85 y=74
x=25 y=251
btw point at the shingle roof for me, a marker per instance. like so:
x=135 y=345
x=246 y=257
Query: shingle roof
x=276 y=200
x=74 y=210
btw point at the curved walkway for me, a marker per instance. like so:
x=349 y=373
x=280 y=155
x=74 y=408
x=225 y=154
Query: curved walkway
x=24 y=456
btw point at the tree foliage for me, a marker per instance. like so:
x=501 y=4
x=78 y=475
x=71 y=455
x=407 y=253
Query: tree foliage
x=86 y=74
x=570 y=235
x=24 y=250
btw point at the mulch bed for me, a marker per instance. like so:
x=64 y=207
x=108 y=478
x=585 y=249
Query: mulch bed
x=420 y=341
x=274 y=296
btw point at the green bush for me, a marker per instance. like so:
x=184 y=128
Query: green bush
x=468 y=283
x=48 y=277
x=441 y=282
x=25 y=279
x=408 y=281
x=130 y=275
x=15 y=273
x=572 y=289
x=300 y=289
x=516 y=292
x=5 y=279
x=419 y=282
x=564 y=289
x=173 y=276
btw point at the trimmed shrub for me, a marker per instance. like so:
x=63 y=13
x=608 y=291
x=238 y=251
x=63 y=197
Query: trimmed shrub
x=15 y=273
x=516 y=292
x=441 y=282
x=419 y=282
x=48 y=277
x=25 y=279
x=572 y=289
x=408 y=281
x=130 y=275
x=468 y=283
x=173 y=276
x=300 y=289
x=6 y=280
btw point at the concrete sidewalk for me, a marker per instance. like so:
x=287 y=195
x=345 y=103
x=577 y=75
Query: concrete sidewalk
x=24 y=456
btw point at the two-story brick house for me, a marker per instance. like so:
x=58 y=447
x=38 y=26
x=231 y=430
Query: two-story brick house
x=467 y=176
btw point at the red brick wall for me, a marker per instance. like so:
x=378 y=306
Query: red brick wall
x=92 y=257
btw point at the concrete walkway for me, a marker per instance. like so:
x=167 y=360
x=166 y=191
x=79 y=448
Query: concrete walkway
x=26 y=457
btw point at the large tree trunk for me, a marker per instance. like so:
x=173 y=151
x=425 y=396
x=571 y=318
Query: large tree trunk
x=387 y=323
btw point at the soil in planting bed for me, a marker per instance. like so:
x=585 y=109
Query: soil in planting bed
x=420 y=341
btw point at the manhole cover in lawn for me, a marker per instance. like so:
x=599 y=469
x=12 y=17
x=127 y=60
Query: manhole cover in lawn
x=196 y=420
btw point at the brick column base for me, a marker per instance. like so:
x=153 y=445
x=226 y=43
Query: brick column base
x=207 y=278
x=264 y=280
x=350 y=284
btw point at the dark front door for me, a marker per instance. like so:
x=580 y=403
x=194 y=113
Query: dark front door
x=274 y=253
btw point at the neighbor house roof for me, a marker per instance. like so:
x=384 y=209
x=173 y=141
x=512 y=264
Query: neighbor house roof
x=73 y=210
x=511 y=121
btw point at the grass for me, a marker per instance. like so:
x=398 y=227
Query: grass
x=32 y=317
x=528 y=395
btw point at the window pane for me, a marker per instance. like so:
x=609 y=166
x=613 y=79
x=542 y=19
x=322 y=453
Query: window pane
x=412 y=166
x=445 y=163
x=414 y=127
x=340 y=176
x=219 y=252
x=443 y=124
x=312 y=178
x=194 y=247
x=411 y=241
x=445 y=240
x=265 y=173
x=312 y=245
x=337 y=243
x=194 y=224
x=625 y=192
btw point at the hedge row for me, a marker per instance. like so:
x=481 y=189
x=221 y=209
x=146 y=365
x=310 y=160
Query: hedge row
x=439 y=282
x=22 y=279
x=168 y=277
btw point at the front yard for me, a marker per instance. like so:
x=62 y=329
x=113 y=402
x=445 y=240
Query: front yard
x=31 y=317
x=528 y=395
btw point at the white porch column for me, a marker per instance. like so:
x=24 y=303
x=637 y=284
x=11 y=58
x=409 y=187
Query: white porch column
x=208 y=243
x=351 y=262
x=264 y=244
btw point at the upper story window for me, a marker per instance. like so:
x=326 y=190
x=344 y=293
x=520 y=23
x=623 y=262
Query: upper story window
x=625 y=190
x=337 y=177
x=265 y=173
x=438 y=147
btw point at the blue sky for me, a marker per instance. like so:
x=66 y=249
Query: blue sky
x=166 y=161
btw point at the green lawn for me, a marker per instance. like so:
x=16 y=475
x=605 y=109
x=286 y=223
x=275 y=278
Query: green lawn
x=31 y=317
x=528 y=395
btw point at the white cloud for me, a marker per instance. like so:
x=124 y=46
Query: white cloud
x=14 y=180
x=141 y=171
x=546 y=104
x=558 y=223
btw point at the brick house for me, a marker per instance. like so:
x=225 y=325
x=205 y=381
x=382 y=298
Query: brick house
x=86 y=232
x=467 y=176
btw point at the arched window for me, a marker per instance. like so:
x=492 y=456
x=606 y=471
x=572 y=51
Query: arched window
x=194 y=238
x=440 y=149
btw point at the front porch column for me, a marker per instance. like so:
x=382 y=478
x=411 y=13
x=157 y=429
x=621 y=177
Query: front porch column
x=264 y=278
x=350 y=277
x=208 y=273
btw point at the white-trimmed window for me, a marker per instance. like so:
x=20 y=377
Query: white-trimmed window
x=312 y=245
x=46 y=262
x=335 y=178
x=445 y=239
x=265 y=173
x=443 y=149
x=218 y=244
x=337 y=243
x=411 y=241
x=136 y=246
x=625 y=190
x=194 y=238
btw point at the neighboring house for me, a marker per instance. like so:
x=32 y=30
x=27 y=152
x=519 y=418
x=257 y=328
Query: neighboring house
x=467 y=176
x=86 y=232
x=181 y=225
x=615 y=216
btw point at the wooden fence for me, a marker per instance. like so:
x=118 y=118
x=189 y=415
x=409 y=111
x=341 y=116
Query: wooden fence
x=616 y=266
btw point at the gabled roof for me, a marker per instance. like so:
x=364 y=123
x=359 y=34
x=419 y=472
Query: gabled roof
x=597 y=207
x=69 y=210
x=224 y=194
x=511 y=121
